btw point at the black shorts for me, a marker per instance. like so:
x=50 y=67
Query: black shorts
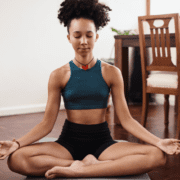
x=81 y=140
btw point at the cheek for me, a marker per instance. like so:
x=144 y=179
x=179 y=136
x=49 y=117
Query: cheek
x=92 y=42
x=75 y=43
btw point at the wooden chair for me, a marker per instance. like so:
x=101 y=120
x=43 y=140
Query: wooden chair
x=167 y=80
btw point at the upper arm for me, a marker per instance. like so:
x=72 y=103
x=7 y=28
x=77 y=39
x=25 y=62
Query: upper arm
x=54 y=99
x=118 y=97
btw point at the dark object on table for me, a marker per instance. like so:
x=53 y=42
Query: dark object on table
x=135 y=91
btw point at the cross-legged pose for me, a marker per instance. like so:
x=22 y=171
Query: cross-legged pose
x=85 y=147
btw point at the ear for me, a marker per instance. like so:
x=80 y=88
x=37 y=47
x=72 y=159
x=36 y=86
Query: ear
x=68 y=36
x=97 y=37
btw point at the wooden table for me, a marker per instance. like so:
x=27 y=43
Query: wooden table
x=122 y=43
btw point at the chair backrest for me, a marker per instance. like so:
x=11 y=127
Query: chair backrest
x=160 y=43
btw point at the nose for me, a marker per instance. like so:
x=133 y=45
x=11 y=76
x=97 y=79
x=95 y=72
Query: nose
x=83 y=40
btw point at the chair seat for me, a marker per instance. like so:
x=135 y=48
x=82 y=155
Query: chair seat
x=163 y=80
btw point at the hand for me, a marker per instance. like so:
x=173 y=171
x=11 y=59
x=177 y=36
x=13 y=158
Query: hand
x=169 y=146
x=6 y=148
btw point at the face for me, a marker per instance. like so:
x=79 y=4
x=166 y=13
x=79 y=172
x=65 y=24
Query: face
x=82 y=35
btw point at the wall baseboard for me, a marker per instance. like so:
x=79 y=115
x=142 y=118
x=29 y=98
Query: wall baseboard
x=25 y=109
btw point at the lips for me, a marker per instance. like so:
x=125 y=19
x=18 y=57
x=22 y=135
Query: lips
x=83 y=49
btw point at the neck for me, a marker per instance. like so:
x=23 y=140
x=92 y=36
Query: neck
x=80 y=61
x=84 y=59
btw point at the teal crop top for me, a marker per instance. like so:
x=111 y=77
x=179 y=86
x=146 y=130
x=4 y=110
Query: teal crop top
x=86 y=89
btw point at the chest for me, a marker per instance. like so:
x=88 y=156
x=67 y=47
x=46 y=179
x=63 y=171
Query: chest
x=88 y=80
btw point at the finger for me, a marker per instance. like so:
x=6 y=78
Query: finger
x=1 y=142
x=175 y=140
x=177 y=144
x=177 y=152
x=3 y=157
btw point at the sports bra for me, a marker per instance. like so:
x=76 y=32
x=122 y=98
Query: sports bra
x=86 y=89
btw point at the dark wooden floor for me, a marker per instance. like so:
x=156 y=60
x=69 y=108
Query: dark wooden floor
x=17 y=126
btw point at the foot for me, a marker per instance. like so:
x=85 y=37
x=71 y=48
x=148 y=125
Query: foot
x=56 y=171
x=74 y=170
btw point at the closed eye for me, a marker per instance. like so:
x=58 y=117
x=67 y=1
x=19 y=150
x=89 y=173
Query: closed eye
x=87 y=36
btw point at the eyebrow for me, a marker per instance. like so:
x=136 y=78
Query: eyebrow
x=80 y=31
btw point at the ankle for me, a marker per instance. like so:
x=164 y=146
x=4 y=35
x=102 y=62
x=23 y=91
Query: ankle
x=69 y=163
x=77 y=168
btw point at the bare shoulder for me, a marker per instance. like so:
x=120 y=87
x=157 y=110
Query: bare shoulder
x=113 y=73
x=109 y=68
x=57 y=76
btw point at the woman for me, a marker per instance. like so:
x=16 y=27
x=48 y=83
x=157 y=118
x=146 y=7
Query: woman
x=85 y=147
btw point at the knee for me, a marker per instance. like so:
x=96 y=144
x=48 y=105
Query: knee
x=158 y=157
x=17 y=163
x=13 y=160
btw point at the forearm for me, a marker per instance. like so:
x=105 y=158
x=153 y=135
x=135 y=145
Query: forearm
x=38 y=132
x=136 y=129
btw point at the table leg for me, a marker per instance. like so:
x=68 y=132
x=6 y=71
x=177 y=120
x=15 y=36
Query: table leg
x=121 y=61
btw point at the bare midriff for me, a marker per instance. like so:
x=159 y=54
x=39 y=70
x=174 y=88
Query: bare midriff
x=86 y=116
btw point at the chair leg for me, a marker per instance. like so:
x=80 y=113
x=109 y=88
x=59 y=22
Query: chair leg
x=145 y=108
x=178 y=118
x=166 y=110
x=176 y=104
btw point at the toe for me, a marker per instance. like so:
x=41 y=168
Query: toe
x=51 y=176
x=50 y=173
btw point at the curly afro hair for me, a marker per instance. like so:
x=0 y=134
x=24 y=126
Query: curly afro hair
x=87 y=9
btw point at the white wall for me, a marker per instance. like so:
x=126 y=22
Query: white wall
x=33 y=43
x=164 y=6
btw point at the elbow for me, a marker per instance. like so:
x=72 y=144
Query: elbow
x=49 y=129
x=46 y=128
x=126 y=122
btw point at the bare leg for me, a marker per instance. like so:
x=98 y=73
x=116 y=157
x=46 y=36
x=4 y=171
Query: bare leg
x=75 y=166
x=38 y=165
x=36 y=159
x=128 y=165
x=136 y=159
